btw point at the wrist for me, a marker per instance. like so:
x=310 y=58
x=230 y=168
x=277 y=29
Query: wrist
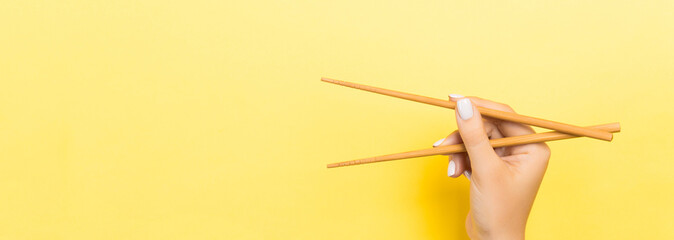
x=508 y=229
x=496 y=235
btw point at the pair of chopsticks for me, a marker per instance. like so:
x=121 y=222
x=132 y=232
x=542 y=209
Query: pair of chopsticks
x=563 y=130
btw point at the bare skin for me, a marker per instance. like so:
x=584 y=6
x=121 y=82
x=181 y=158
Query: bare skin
x=503 y=181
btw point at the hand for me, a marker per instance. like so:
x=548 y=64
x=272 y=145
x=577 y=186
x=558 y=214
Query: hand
x=503 y=181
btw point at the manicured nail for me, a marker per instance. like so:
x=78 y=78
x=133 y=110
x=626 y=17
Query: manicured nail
x=437 y=143
x=465 y=108
x=451 y=169
x=456 y=96
x=467 y=174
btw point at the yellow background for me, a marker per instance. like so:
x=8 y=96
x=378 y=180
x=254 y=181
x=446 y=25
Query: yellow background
x=207 y=119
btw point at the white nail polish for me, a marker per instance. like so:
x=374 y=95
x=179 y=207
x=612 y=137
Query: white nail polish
x=437 y=143
x=457 y=96
x=467 y=174
x=451 y=169
x=465 y=108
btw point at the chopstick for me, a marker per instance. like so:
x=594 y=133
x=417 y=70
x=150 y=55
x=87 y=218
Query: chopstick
x=499 y=142
x=508 y=116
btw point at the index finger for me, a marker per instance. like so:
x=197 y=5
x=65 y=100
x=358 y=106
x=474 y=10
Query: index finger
x=509 y=129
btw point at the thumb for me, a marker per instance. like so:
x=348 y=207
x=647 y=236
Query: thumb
x=469 y=121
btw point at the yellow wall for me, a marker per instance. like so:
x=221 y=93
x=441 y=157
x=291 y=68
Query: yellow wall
x=207 y=119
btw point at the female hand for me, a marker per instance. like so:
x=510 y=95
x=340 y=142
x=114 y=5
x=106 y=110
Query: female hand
x=503 y=181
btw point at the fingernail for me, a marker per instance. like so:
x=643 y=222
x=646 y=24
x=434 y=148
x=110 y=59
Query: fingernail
x=467 y=174
x=451 y=169
x=456 y=96
x=437 y=143
x=465 y=108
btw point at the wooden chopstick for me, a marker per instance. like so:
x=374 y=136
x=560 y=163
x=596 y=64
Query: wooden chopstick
x=508 y=116
x=500 y=142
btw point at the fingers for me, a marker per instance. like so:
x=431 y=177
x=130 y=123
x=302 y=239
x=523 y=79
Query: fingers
x=492 y=132
x=457 y=162
x=471 y=129
x=484 y=103
x=509 y=129
x=452 y=139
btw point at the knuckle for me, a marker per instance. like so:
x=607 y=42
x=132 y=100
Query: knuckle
x=471 y=132
x=475 y=139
